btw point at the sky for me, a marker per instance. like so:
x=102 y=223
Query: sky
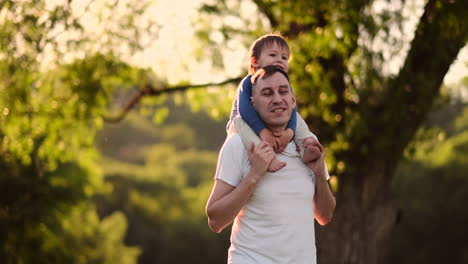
x=173 y=52
x=178 y=31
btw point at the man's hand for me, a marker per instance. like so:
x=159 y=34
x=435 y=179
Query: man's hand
x=283 y=138
x=260 y=157
x=267 y=136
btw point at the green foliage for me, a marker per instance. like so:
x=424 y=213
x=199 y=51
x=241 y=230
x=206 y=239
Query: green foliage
x=40 y=222
x=50 y=113
x=162 y=185
x=216 y=102
x=97 y=241
x=432 y=185
x=75 y=237
x=165 y=204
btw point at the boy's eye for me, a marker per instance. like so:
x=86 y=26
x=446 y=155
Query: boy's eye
x=285 y=58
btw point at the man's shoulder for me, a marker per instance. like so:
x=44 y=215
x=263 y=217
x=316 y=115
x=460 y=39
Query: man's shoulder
x=233 y=142
x=234 y=149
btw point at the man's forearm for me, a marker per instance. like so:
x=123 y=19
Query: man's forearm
x=324 y=201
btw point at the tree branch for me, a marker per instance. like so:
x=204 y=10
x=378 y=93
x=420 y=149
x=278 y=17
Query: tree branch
x=441 y=33
x=150 y=90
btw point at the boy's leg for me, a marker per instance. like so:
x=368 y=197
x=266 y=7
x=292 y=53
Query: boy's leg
x=248 y=137
x=232 y=129
x=302 y=132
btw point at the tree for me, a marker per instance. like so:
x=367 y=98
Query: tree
x=49 y=115
x=366 y=118
x=162 y=184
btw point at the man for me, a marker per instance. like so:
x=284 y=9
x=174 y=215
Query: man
x=272 y=212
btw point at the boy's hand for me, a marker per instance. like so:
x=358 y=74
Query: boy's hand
x=312 y=150
x=283 y=138
x=266 y=135
x=312 y=141
x=318 y=165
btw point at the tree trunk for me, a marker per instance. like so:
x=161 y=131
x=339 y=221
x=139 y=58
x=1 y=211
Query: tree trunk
x=356 y=235
x=364 y=218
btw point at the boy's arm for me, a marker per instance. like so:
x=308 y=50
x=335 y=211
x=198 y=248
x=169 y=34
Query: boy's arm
x=292 y=124
x=234 y=107
x=246 y=110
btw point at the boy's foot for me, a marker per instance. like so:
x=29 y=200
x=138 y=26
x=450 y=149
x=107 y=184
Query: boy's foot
x=276 y=165
x=311 y=153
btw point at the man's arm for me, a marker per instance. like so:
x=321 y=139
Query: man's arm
x=226 y=200
x=324 y=201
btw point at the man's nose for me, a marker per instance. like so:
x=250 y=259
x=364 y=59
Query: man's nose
x=276 y=97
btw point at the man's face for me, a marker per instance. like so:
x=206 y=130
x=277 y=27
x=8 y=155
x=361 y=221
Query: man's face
x=273 y=55
x=273 y=100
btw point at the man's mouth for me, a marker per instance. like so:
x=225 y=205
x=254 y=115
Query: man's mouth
x=278 y=110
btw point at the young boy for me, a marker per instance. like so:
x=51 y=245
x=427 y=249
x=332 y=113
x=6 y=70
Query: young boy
x=270 y=49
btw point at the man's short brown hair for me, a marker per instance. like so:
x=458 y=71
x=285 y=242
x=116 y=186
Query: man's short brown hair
x=267 y=72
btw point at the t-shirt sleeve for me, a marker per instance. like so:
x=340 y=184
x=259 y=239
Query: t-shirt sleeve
x=230 y=168
x=246 y=110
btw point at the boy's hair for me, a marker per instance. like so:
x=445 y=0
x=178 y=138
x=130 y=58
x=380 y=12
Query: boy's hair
x=262 y=42
x=267 y=72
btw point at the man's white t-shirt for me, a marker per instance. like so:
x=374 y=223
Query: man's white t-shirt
x=277 y=223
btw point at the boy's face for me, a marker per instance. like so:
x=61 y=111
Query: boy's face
x=272 y=55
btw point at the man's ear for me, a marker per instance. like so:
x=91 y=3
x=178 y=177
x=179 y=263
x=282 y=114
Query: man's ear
x=251 y=100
